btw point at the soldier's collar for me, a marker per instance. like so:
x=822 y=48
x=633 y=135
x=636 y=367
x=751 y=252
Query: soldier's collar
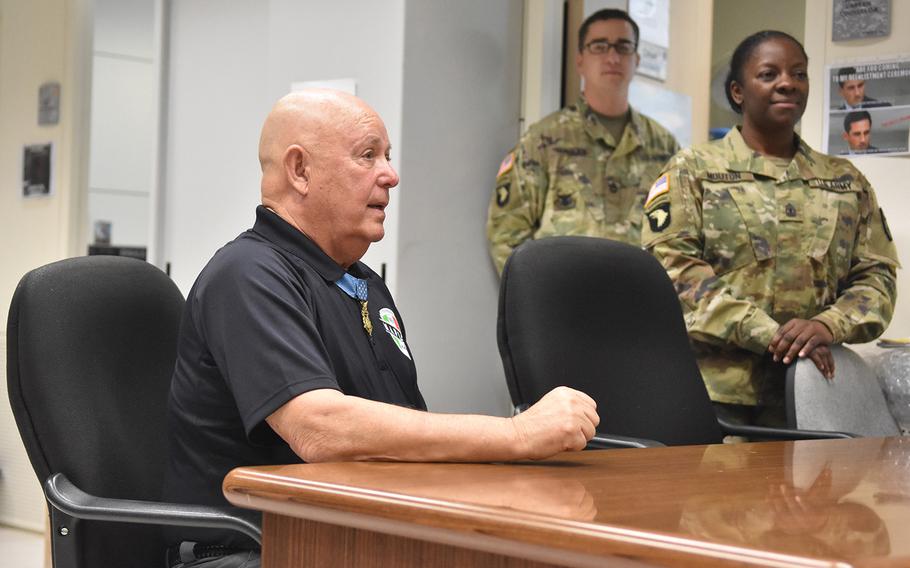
x=748 y=160
x=630 y=137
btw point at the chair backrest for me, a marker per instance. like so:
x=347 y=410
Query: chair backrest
x=91 y=349
x=603 y=317
x=853 y=402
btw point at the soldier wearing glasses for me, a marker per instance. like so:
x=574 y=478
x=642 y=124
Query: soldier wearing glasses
x=586 y=169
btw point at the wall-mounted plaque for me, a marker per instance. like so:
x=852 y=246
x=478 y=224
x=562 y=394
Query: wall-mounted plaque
x=49 y=104
x=857 y=19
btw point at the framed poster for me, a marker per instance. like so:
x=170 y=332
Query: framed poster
x=868 y=107
x=37 y=175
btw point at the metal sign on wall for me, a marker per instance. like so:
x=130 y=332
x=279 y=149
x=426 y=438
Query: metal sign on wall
x=857 y=19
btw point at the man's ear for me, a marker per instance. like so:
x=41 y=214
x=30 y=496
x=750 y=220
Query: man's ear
x=296 y=168
x=845 y=137
x=637 y=59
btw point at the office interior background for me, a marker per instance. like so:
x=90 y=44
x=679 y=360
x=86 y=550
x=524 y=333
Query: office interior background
x=162 y=101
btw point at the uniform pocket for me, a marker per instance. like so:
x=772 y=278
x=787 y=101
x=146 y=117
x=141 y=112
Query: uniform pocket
x=835 y=216
x=736 y=227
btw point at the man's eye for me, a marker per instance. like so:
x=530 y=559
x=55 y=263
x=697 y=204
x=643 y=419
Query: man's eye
x=766 y=75
x=369 y=154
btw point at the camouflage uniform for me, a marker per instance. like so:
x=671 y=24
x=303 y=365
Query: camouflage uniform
x=568 y=176
x=750 y=246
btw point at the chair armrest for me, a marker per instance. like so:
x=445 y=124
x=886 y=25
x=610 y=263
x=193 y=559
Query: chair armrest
x=611 y=441
x=778 y=433
x=63 y=495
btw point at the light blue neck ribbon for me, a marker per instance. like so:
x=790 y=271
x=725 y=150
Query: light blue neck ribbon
x=353 y=287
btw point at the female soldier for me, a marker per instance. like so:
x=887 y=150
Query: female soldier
x=776 y=251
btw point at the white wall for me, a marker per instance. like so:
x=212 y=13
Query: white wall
x=462 y=100
x=124 y=119
x=229 y=62
x=734 y=20
x=688 y=61
x=40 y=41
x=888 y=175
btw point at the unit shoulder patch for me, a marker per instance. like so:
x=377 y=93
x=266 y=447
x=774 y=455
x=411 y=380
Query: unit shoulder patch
x=502 y=194
x=885 y=227
x=659 y=217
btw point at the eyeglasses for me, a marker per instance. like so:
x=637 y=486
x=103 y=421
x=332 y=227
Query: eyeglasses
x=602 y=47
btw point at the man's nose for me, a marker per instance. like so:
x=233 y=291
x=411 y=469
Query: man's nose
x=389 y=177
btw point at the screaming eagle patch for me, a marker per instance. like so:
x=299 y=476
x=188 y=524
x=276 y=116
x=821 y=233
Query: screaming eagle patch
x=502 y=194
x=659 y=217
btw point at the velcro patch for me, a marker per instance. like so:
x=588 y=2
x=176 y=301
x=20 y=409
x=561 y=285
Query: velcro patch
x=724 y=176
x=659 y=217
x=660 y=187
x=506 y=164
x=885 y=225
x=502 y=194
x=839 y=185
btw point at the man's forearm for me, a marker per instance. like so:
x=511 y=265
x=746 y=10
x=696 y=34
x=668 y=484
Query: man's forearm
x=327 y=425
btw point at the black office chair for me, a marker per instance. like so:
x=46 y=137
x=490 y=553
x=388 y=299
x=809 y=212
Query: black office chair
x=603 y=317
x=91 y=348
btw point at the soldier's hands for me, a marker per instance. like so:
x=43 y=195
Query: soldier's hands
x=823 y=360
x=564 y=419
x=800 y=337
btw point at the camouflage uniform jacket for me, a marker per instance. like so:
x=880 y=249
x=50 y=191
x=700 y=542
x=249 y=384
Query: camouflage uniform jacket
x=749 y=248
x=568 y=176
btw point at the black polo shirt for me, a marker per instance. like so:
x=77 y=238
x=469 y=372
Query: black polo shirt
x=263 y=323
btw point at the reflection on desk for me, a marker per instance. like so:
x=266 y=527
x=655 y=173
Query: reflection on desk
x=806 y=503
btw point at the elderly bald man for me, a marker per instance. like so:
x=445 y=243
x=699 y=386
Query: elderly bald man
x=291 y=349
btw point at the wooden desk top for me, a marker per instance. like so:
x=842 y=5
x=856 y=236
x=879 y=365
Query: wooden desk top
x=807 y=503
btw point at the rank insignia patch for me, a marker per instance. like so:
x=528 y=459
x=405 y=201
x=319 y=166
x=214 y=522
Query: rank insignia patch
x=659 y=217
x=506 y=164
x=660 y=187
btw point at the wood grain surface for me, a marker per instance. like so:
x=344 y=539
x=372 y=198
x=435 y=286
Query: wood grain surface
x=808 y=503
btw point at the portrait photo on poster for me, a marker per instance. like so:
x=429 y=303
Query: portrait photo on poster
x=37 y=174
x=868 y=107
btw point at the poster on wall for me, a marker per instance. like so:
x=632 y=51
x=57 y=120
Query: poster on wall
x=653 y=19
x=868 y=108
x=36 y=170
